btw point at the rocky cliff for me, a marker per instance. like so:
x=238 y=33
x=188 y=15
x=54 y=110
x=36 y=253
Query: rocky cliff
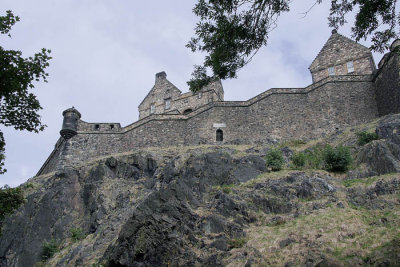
x=214 y=206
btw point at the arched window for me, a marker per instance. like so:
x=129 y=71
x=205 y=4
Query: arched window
x=220 y=135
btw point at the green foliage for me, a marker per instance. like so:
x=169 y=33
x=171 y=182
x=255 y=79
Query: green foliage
x=77 y=234
x=232 y=32
x=293 y=143
x=337 y=159
x=377 y=18
x=365 y=181
x=313 y=157
x=7 y=21
x=227 y=189
x=19 y=107
x=237 y=242
x=365 y=137
x=200 y=79
x=49 y=249
x=274 y=159
x=299 y=160
x=10 y=200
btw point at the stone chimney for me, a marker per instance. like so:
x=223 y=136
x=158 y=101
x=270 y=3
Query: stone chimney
x=161 y=76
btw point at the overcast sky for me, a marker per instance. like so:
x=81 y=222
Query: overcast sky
x=106 y=54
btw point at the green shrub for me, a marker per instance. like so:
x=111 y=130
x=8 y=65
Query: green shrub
x=227 y=188
x=365 y=137
x=10 y=200
x=337 y=159
x=77 y=234
x=49 y=249
x=299 y=160
x=274 y=159
x=314 y=158
x=237 y=242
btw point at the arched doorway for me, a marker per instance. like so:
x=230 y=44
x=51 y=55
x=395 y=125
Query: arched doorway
x=219 y=135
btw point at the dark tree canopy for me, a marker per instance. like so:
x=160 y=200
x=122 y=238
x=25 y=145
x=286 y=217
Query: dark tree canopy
x=231 y=32
x=18 y=106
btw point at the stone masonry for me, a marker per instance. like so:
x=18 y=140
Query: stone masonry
x=347 y=90
x=165 y=98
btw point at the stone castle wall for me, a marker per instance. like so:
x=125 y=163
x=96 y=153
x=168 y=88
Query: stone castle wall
x=387 y=83
x=328 y=105
x=361 y=66
x=277 y=114
x=179 y=103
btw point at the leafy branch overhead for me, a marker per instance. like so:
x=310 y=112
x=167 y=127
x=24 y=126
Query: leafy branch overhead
x=230 y=32
x=18 y=106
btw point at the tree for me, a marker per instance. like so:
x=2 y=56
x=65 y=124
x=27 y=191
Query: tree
x=18 y=106
x=231 y=32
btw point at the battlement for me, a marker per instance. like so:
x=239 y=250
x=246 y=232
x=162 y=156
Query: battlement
x=169 y=117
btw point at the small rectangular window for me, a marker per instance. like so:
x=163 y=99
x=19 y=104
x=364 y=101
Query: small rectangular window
x=152 y=108
x=331 y=71
x=168 y=103
x=350 y=67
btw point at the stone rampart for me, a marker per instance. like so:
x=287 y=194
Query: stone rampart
x=277 y=114
x=387 y=84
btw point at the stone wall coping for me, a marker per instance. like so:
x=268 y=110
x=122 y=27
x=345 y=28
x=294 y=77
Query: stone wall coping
x=251 y=101
x=60 y=141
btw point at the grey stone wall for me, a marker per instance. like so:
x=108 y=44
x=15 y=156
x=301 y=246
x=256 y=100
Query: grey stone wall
x=362 y=66
x=277 y=114
x=330 y=104
x=387 y=84
x=179 y=103
x=336 y=52
x=51 y=162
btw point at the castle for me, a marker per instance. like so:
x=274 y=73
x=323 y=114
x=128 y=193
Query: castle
x=347 y=89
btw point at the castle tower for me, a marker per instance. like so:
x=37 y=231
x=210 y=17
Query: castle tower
x=70 y=123
x=342 y=56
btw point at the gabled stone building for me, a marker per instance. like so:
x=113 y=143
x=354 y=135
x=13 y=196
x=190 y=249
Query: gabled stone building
x=341 y=56
x=165 y=98
x=347 y=89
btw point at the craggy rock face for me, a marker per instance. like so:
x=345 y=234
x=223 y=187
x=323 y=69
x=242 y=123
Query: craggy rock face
x=145 y=206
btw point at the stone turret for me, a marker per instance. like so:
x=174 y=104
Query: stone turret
x=70 y=123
